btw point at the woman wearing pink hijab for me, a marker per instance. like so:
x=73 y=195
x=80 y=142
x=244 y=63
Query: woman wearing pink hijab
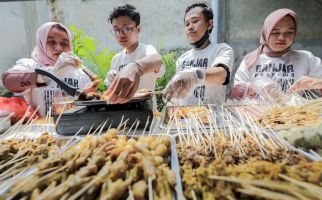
x=274 y=61
x=53 y=53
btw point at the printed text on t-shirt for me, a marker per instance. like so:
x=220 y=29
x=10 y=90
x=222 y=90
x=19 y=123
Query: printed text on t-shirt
x=199 y=92
x=199 y=62
x=283 y=74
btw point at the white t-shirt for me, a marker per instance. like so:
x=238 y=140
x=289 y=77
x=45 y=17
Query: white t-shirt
x=122 y=58
x=43 y=96
x=211 y=56
x=285 y=69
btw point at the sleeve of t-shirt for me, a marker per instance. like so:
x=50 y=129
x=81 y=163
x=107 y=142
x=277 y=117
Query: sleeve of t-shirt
x=178 y=67
x=315 y=66
x=21 y=77
x=224 y=56
x=150 y=50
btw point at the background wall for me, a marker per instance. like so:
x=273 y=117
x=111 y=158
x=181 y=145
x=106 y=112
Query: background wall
x=239 y=23
x=161 y=23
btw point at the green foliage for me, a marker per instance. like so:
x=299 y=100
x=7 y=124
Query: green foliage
x=5 y=93
x=169 y=61
x=85 y=47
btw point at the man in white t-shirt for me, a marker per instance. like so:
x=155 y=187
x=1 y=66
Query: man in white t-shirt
x=203 y=71
x=138 y=65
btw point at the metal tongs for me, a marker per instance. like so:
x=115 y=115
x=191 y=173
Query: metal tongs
x=70 y=90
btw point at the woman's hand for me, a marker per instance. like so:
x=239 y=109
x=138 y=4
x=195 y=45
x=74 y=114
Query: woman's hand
x=306 y=83
x=67 y=59
x=125 y=84
x=251 y=92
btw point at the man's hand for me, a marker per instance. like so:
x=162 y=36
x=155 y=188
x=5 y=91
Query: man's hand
x=125 y=84
x=181 y=84
x=111 y=75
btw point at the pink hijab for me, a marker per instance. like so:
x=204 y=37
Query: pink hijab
x=270 y=21
x=39 y=53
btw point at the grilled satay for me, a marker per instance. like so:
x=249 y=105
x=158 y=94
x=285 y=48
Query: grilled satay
x=92 y=169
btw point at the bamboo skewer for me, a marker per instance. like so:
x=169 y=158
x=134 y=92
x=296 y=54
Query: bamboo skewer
x=131 y=127
x=150 y=188
x=315 y=190
x=193 y=195
x=146 y=125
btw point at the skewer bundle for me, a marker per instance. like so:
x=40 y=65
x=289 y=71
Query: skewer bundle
x=220 y=162
x=102 y=167
x=180 y=113
x=287 y=117
x=17 y=155
x=200 y=169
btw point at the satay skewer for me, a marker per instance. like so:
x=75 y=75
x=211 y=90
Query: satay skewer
x=136 y=126
x=32 y=116
x=132 y=126
x=156 y=126
x=150 y=188
x=151 y=126
x=12 y=131
x=120 y=124
x=99 y=133
x=8 y=173
x=193 y=195
x=60 y=114
x=315 y=190
x=131 y=195
x=146 y=125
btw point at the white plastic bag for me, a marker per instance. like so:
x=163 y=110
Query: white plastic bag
x=268 y=89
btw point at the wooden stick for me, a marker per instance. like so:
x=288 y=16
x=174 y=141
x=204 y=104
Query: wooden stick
x=137 y=125
x=67 y=146
x=132 y=126
x=120 y=124
x=146 y=125
x=99 y=133
x=193 y=195
x=251 y=190
x=124 y=127
x=60 y=114
x=151 y=126
x=12 y=161
x=90 y=129
x=150 y=188
x=315 y=190
x=158 y=122
x=131 y=195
